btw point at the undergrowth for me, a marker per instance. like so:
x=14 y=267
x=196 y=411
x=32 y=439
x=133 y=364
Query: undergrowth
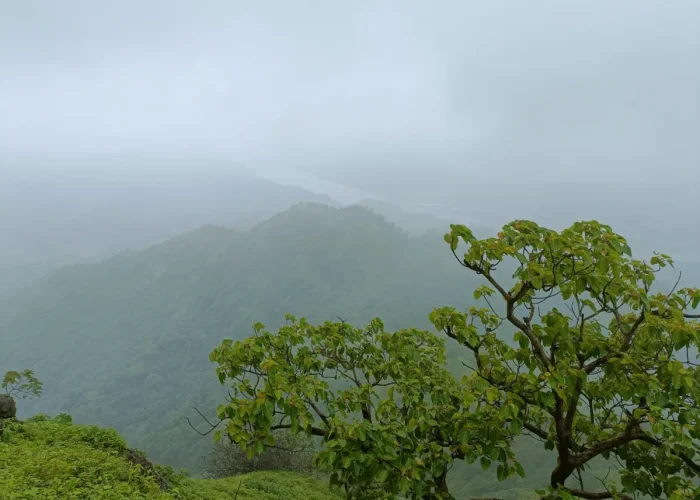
x=52 y=459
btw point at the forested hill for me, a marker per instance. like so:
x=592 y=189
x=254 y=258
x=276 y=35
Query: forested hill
x=125 y=342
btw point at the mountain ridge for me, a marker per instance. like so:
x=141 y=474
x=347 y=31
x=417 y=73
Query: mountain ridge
x=76 y=217
x=106 y=335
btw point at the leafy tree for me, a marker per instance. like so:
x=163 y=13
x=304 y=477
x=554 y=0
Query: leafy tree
x=291 y=452
x=599 y=367
x=21 y=384
x=391 y=417
x=609 y=375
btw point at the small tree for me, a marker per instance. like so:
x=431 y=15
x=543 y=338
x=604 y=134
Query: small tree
x=291 y=452
x=21 y=384
x=391 y=418
x=579 y=353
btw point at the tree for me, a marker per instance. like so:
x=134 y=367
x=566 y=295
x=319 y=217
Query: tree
x=21 y=384
x=579 y=352
x=391 y=418
x=609 y=374
x=291 y=452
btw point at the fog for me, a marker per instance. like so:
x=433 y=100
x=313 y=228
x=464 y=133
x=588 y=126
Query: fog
x=175 y=171
x=502 y=109
x=556 y=89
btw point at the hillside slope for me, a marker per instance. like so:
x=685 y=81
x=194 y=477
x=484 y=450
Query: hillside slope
x=125 y=342
x=55 y=460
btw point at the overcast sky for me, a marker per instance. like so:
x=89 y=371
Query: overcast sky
x=427 y=94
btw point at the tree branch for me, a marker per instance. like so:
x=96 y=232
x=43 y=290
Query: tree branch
x=318 y=411
x=597 y=495
x=211 y=426
x=315 y=431
x=536 y=430
x=632 y=432
x=626 y=344
x=686 y=459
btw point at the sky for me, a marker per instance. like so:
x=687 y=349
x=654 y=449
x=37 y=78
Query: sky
x=414 y=100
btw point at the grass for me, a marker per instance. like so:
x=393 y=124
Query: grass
x=258 y=486
x=51 y=459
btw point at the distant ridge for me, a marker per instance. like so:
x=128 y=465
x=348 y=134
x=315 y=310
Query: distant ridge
x=78 y=215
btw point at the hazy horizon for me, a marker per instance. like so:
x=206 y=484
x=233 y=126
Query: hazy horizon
x=397 y=97
x=472 y=112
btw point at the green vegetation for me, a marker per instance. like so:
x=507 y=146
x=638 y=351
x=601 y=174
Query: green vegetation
x=609 y=378
x=51 y=459
x=375 y=447
x=21 y=384
x=292 y=452
x=124 y=343
x=258 y=486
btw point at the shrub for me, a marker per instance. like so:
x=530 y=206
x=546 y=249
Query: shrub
x=292 y=453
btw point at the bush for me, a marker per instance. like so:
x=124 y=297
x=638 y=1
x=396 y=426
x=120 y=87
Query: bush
x=292 y=453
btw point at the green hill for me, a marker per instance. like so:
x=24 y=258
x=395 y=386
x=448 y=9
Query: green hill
x=54 y=460
x=125 y=342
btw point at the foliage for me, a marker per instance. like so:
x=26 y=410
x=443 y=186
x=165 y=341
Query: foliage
x=263 y=485
x=291 y=453
x=610 y=378
x=50 y=459
x=391 y=417
x=124 y=342
x=47 y=460
x=21 y=384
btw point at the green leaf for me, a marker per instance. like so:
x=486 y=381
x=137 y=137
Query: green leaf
x=502 y=472
x=516 y=426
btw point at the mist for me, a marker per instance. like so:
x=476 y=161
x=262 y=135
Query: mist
x=404 y=98
x=173 y=172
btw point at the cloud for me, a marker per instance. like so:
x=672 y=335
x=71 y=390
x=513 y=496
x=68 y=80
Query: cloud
x=366 y=92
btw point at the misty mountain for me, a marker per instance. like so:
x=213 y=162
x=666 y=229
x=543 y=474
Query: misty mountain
x=420 y=223
x=52 y=217
x=641 y=212
x=125 y=342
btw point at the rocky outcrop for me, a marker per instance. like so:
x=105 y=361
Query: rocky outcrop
x=138 y=458
x=8 y=408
